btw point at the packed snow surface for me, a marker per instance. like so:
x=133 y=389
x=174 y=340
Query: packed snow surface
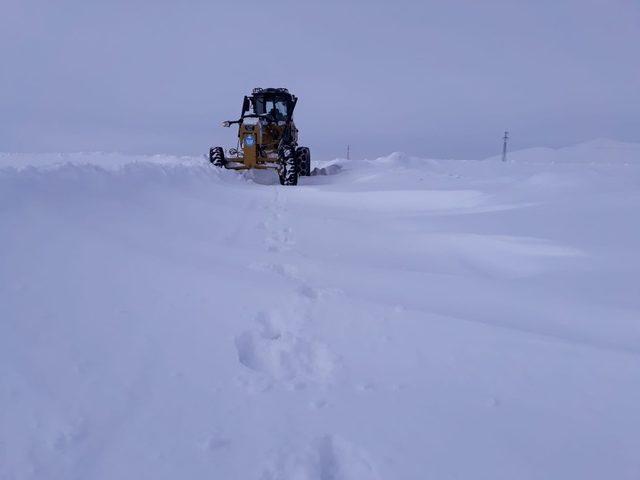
x=400 y=318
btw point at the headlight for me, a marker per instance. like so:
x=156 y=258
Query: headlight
x=249 y=141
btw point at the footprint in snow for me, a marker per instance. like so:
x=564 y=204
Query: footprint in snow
x=282 y=355
x=326 y=458
x=282 y=240
x=283 y=269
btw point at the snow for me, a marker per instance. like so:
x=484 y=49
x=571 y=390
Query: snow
x=396 y=318
x=600 y=151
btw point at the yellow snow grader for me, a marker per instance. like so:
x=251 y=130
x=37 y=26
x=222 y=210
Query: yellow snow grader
x=267 y=137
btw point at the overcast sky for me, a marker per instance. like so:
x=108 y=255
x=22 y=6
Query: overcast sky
x=436 y=79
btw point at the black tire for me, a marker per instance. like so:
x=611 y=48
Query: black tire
x=288 y=171
x=216 y=157
x=304 y=160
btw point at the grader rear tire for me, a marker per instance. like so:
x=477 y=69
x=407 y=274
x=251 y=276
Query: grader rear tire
x=216 y=157
x=289 y=168
x=304 y=160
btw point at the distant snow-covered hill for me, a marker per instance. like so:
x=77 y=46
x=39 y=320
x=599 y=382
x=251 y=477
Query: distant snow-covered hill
x=601 y=150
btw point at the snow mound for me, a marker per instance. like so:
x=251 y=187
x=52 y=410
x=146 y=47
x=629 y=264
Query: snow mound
x=401 y=159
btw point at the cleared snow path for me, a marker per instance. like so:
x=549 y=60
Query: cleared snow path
x=401 y=319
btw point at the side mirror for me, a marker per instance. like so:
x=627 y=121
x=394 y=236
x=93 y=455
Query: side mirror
x=245 y=105
x=226 y=123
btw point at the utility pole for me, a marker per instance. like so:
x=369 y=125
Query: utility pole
x=504 y=146
x=348 y=148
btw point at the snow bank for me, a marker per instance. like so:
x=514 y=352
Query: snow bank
x=100 y=159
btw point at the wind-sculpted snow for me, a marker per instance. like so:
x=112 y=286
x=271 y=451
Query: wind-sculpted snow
x=395 y=318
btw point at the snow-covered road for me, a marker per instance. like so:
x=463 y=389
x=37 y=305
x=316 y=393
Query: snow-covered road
x=401 y=319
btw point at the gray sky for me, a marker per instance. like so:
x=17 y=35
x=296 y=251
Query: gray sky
x=439 y=79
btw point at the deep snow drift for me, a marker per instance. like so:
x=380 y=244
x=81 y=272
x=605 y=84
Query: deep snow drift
x=401 y=319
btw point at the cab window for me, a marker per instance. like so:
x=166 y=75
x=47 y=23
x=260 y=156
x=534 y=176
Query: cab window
x=275 y=107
